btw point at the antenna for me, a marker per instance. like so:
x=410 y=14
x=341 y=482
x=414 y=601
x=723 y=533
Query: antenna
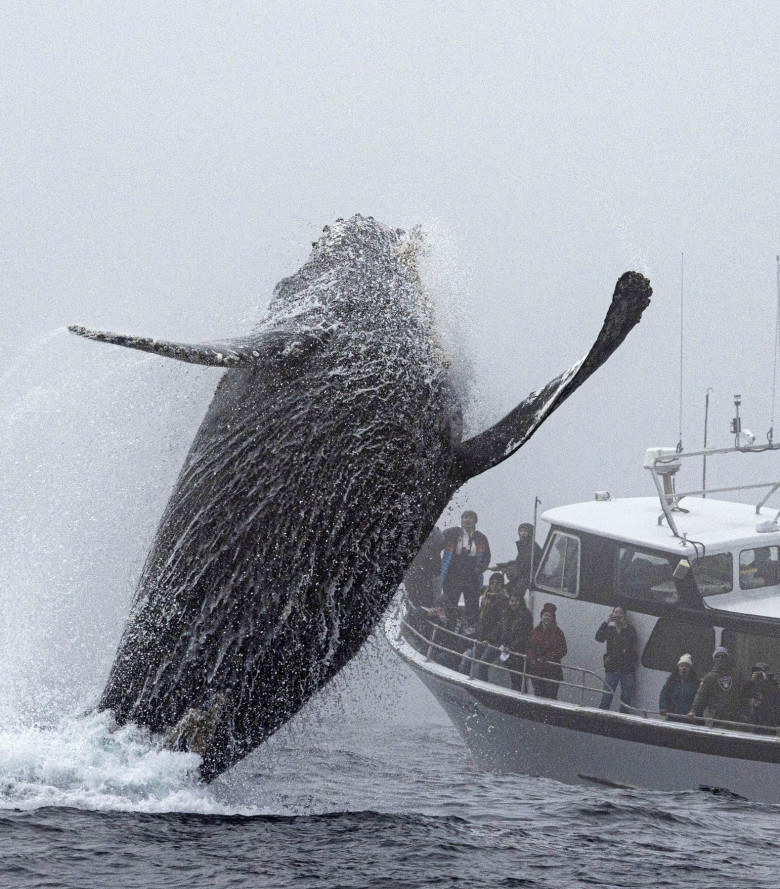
x=704 y=458
x=682 y=282
x=537 y=503
x=770 y=434
x=736 y=423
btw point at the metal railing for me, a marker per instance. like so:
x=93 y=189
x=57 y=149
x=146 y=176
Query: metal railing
x=658 y=458
x=430 y=645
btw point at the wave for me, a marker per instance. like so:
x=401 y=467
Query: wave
x=84 y=762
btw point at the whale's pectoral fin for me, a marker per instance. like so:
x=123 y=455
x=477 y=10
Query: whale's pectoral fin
x=631 y=298
x=280 y=344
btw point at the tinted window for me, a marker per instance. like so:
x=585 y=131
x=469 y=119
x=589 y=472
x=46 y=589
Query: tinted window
x=746 y=650
x=560 y=568
x=714 y=574
x=671 y=638
x=758 y=567
x=646 y=576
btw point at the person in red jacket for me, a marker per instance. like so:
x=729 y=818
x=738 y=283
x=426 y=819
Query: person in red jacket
x=545 y=650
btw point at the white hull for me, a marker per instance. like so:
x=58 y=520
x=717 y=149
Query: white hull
x=509 y=731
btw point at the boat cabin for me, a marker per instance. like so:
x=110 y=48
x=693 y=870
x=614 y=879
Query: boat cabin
x=692 y=575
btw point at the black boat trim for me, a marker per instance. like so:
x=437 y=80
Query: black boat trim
x=611 y=725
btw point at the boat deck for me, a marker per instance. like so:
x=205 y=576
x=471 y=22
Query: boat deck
x=436 y=651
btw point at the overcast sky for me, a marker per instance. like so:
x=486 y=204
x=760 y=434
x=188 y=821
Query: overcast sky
x=163 y=165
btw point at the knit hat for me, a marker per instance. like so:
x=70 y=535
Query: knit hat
x=764 y=668
x=720 y=650
x=548 y=606
x=685 y=659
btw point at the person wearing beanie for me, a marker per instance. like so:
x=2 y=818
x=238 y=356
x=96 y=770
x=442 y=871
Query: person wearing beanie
x=545 y=650
x=680 y=688
x=762 y=696
x=619 y=659
x=720 y=693
x=519 y=569
x=489 y=631
x=518 y=625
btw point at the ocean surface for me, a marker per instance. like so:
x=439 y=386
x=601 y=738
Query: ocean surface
x=369 y=787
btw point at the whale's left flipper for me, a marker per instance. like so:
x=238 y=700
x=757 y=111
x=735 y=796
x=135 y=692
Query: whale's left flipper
x=274 y=344
x=483 y=451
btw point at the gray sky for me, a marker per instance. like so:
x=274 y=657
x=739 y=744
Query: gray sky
x=163 y=165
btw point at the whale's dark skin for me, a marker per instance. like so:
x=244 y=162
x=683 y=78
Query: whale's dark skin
x=331 y=447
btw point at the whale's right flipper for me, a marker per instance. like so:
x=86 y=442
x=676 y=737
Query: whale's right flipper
x=483 y=451
x=275 y=344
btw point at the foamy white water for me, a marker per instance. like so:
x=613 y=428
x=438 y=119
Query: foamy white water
x=84 y=762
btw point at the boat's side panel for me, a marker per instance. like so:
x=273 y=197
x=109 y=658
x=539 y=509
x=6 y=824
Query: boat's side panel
x=505 y=742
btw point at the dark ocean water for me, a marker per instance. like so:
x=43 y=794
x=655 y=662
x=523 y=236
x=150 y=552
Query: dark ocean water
x=351 y=800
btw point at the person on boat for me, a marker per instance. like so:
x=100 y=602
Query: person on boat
x=486 y=651
x=545 y=650
x=680 y=688
x=518 y=571
x=720 y=692
x=762 y=696
x=466 y=556
x=518 y=624
x=421 y=580
x=619 y=659
x=766 y=567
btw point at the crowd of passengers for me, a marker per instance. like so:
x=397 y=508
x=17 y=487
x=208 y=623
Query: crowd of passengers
x=496 y=617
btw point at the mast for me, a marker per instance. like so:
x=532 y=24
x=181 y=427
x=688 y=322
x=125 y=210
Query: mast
x=704 y=458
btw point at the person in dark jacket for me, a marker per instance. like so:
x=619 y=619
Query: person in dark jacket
x=619 y=659
x=489 y=630
x=545 y=650
x=680 y=688
x=518 y=624
x=465 y=558
x=762 y=697
x=422 y=577
x=518 y=571
x=720 y=692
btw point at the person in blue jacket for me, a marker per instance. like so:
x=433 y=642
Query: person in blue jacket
x=680 y=688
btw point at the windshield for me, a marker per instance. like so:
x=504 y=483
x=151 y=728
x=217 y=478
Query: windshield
x=714 y=574
x=560 y=567
x=647 y=576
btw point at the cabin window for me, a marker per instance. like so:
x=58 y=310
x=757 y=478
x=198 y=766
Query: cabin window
x=646 y=576
x=672 y=638
x=759 y=567
x=746 y=649
x=714 y=574
x=559 y=570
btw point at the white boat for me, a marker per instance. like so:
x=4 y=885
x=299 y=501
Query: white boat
x=685 y=568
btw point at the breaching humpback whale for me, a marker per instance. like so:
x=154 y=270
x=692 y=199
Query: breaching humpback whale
x=331 y=447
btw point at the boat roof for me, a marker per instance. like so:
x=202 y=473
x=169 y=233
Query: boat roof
x=721 y=525
x=766 y=604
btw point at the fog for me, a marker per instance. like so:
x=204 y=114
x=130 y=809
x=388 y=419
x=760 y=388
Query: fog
x=164 y=165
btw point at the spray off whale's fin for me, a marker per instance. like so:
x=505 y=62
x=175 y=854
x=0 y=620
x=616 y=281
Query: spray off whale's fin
x=494 y=445
x=277 y=344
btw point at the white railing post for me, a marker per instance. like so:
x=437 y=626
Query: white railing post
x=431 y=642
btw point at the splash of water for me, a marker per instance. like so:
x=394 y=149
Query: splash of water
x=91 y=442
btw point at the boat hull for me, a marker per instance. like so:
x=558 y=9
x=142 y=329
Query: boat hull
x=512 y=732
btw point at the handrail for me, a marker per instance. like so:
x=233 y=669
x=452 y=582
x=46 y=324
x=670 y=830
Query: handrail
x=728 y=724
x=657 y=458
x=472 y=641
x=431 y=643
x=700 y=721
